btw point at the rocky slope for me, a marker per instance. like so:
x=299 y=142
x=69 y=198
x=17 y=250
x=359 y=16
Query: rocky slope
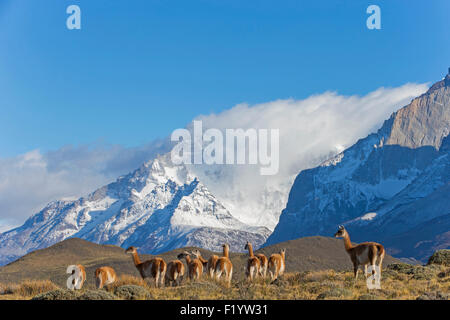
x=391 y=186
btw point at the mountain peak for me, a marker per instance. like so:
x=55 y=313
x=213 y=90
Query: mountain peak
x=445 y=82
x=447 y=78
x=158 y=207
x=391 y=186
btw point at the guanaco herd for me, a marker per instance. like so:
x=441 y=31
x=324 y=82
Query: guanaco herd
x=257 y=265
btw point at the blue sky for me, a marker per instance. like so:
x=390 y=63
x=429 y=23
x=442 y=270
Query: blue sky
x=139 y=69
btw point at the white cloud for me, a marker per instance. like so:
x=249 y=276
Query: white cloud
x=29 y=181
x=310 y=131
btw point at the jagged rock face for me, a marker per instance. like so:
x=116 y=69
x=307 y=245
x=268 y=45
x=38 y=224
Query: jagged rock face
x=156 y=208
x=386 y=187
x=425 y=122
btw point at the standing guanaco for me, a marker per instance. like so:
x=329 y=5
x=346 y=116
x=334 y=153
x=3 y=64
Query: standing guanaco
x=211 y=265
x=196 y=253
x=154 y=268
x=264 y=264
x=195 y=267
x=104 y=276
x=277 y=264
x=224 y=265
x=253 y=263
x=175 y=272
x=363 y=253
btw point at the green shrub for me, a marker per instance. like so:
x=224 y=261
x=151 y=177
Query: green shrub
x=417 y=272
x=440 y=257
x=436 y=295
x=401 y=267
x=335 y=292
x=132 y=292
x=58 y=294
x=96 y=295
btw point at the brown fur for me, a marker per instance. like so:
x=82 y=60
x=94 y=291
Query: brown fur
x=253 y=263
x=104 y=276
x=277 y=264
x=224 y=265
x=198 y=255
x=83 y=274
x=211 y=266
x=195 y=267
x=175 y=272
x=154 y=268
x=264 y=264
x=361 y=254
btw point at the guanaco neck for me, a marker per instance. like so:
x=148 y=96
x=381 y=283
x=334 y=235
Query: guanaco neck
x=225 y=251
x=136 y=259
x=188 y=259
x=202 y=260
x=282 y=254
x=250 y=250
x=347 y=243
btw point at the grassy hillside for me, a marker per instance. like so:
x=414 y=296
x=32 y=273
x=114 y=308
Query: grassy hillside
x=317 y=268
x=305 y=254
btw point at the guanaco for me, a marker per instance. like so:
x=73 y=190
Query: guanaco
x=224 y=265
x=264 y=264
x=211 y=265
x=154 y=268
x=175 y=272
x=277 y=264
x=104 y=276
x=195 y=267
x=253 y=263
x=363 y=253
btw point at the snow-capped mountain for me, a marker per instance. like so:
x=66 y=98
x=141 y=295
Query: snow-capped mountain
x=391 y=186
x=158 y=207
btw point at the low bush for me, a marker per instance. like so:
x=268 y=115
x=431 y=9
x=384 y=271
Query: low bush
x=132 y=292
x=58 y=294
x=440 y=257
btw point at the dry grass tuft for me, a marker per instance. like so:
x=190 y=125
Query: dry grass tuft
x=29 y=288
x=400 y=282
x=130 y=280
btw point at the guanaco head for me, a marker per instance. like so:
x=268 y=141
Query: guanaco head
x=131 y=250
x=283 y=252
x=226 y=246
x=196 y=253
x=247 y=245
x=341 y=232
